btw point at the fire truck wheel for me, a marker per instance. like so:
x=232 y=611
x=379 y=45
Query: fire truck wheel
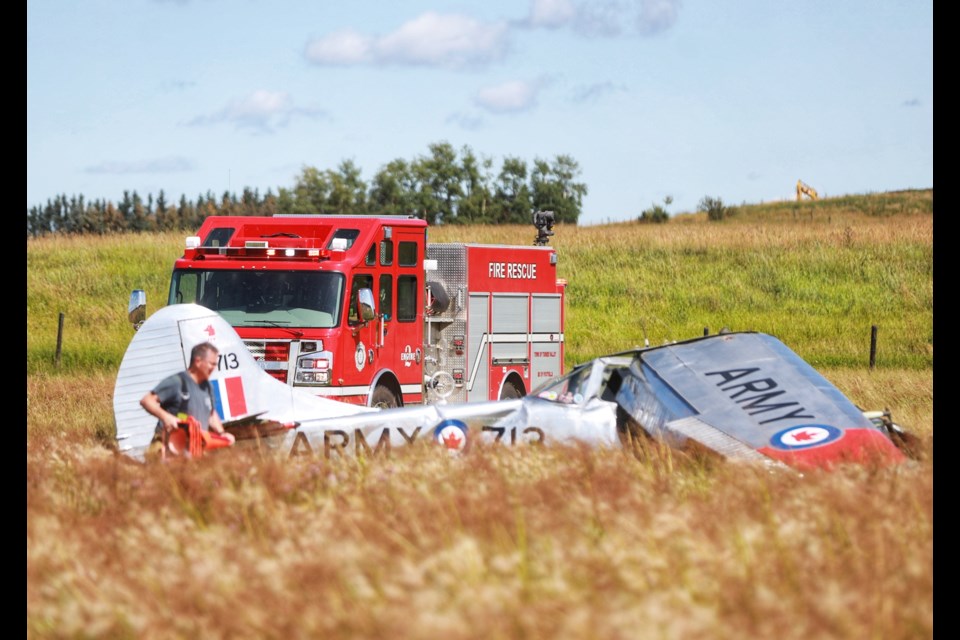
x=383 y=398
x=510 y=391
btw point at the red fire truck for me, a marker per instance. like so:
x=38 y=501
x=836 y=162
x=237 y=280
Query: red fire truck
x=365 y=310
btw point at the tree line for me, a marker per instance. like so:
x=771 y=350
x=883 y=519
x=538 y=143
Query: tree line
x=443 y=186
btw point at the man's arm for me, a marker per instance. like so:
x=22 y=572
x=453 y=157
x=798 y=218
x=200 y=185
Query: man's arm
x=151 y=403
x=217 y=427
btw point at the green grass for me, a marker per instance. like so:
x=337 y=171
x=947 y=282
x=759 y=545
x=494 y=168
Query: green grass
x=819 y=287
x=89 y=280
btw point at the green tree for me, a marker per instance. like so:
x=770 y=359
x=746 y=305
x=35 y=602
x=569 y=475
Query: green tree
x=554 y=188
x=139 y=220
x=125 y=207
x=286 y=201
x=186 y=213
x=72 y=215
x=347 y=191
x=165 y=217
x=269 y=205
x=34 y=227
x=112 y=218
x=93 y=218
x=439 y=176
x=229 y=205
x=392 y=188
x=512 y=196
x=207 y=209
x=656 y=213
x=249 y=204
x=475 y=180
x=714 y=208
x=311 y=191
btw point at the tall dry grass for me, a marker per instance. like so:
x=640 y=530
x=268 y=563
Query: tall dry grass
x=507 y=543
x=503 y=543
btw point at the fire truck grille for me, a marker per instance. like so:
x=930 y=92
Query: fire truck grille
x=279 y=375
x=272 y=356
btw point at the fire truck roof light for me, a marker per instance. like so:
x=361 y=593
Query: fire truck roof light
x=289 y=253
x=338 y=244
x=192 y=242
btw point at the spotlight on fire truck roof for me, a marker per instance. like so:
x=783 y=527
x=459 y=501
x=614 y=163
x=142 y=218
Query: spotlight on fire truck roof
x=543 y=221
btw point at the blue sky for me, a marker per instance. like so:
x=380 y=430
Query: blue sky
x=653 y=98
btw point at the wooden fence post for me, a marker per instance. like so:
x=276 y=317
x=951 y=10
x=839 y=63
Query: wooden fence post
x=59 y=339
x=873 y=346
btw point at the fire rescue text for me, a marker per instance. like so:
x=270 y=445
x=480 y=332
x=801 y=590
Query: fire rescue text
x=512 y=270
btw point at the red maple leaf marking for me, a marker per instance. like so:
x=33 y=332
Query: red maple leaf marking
x=803 y=436
x=452 y=441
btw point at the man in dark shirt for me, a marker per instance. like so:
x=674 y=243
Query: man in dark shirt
x=186 y=395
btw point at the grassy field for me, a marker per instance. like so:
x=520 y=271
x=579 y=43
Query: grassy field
x=565 y=543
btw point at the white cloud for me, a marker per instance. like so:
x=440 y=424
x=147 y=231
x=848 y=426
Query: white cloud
x=167 y=164
x=341 y=48
x=551 y=14
x=259 y=105
x=603 y=19
x=261 y=111
x=509 y=97
x=431 y=39
x=452 y=40
x=656 y=15
x=610 y=18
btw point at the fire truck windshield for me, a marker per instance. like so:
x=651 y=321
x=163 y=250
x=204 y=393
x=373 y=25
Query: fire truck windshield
x=304 y=299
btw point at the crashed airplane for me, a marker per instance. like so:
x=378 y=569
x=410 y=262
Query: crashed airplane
x=741 y=396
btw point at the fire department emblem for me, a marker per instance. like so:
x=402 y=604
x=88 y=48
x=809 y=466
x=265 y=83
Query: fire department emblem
x=451 y=435
x=360 y=357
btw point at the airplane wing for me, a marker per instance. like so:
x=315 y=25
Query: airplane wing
x=746 y=395
x=517 y=422
x=452 y=426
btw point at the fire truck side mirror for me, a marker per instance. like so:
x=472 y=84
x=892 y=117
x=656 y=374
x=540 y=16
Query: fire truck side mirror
x=365 y=310
x=137 y=308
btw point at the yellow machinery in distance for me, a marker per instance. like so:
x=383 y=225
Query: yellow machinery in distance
x=803 y=189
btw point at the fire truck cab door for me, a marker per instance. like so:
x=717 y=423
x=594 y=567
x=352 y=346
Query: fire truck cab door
x=361 y=348
x=399 y=302
x=392 y=341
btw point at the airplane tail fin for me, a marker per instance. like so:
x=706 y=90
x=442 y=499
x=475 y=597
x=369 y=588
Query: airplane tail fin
x=241 y=388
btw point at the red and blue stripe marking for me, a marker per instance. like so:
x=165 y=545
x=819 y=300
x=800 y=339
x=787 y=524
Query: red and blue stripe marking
x=228 y=397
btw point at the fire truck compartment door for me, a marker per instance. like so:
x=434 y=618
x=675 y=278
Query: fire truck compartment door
x=509 y=327
x=477 y=369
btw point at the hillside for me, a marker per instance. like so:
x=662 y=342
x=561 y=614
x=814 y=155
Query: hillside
x=907 y=202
